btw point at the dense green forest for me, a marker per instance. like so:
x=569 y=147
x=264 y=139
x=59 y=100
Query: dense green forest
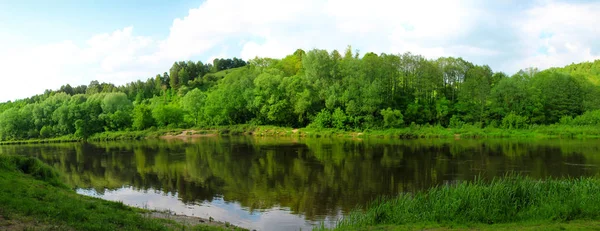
x=318 y=89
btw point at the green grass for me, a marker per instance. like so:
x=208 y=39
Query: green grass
x=529 y=226
x=410 y=132
x=128 y=135
x=512 y=201
x=31 y=193
x=468 y=131
x=62 y=139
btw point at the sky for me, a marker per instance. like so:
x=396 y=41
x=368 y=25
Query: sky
x=47 y=44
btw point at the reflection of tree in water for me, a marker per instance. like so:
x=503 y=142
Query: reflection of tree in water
x=314 y=177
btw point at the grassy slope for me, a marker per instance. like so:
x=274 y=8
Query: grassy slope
x=32 y=197
x=507 y=204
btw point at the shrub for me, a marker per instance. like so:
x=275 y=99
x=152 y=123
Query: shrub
x=339 y=118
x=392 y=118
x=456 y=122
x=566 y=120
x=513 y=120
x=587 y=118
x=322 y=120
x=46 y=132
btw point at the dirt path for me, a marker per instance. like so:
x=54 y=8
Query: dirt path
x=191 y=221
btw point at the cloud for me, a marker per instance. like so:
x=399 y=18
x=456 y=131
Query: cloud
x=566 y=33
x=507 y=35
x=116 y=57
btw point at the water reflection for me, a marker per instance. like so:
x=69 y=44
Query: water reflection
x=270 y=219
x=270 y=183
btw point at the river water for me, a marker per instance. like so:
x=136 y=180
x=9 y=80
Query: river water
x=295 y=183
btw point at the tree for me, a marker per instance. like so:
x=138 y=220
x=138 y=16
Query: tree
x=474 y=94
x=114 y=102
x=227 y=103
x=82 y=129
x=561 y=95
x=46 y=132
x=516 y=95
x=184 y=76
x=269 y=103
x=142 y=117
x=193 y=102
x=167 y=115
x=174 y=80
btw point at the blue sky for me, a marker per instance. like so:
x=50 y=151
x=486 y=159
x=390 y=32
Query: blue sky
x=46 y=44
x=55 y=21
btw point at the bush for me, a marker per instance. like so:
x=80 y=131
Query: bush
x=46 y=132
x=514 y=121
x=392 y=118
x=456 y=122
x=339 y=119
x=322 y=120
x=566 y=120
x=587 y=118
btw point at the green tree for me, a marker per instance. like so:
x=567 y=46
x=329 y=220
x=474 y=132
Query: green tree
x=561 y=95
x=184 y=76
x=193 y=102
x=167 y=115
x=46 y=132
x=142 y=117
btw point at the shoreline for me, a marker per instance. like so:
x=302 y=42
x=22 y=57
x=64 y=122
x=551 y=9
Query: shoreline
x=414 y=132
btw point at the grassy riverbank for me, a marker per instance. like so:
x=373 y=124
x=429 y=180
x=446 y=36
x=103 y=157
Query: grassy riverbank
x=62 y=139
x=411 y=132
x=33 y=198
x=509 y=203
x=542 y=132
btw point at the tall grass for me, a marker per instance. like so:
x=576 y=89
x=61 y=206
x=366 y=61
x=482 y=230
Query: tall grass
x=31 y=166
x=506 y=200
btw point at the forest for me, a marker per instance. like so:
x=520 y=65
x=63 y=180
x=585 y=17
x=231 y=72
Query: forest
x=319 y=89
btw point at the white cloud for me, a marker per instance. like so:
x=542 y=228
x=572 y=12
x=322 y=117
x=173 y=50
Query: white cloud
x=116 y=57
x=506 y=35
x=567 y=32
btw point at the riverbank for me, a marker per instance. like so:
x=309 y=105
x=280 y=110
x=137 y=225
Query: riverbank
x=62 y=139
x=506 y=204
x=411 y=132
x=539 y=132
x=32 y=197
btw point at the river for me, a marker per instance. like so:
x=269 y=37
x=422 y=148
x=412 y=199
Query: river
x=295 y=183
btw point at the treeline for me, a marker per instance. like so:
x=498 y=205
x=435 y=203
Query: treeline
x=319 y=89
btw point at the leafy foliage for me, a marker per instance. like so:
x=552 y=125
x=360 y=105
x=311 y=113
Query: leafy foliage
x=320 y=88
